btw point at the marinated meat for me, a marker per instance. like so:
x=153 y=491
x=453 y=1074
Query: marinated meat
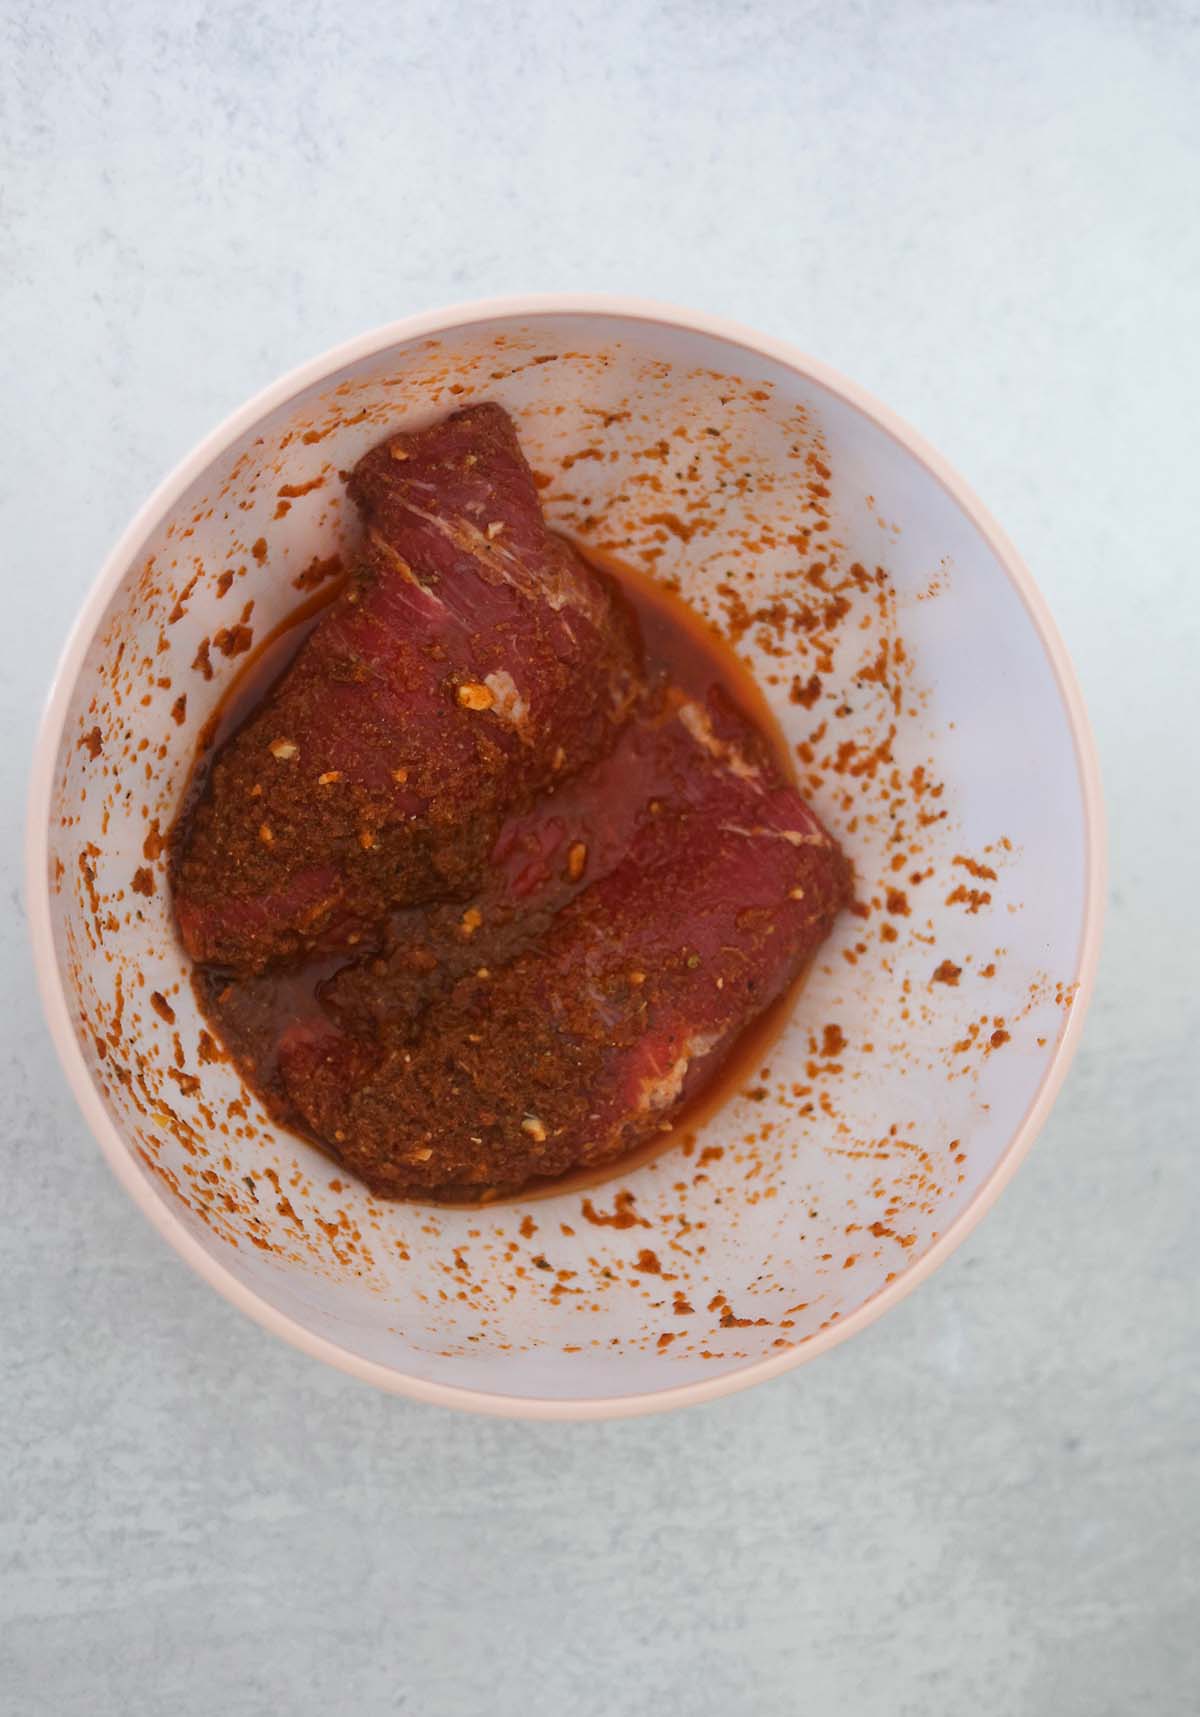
x=472 y=660
x=490 y=883
x=633 y=924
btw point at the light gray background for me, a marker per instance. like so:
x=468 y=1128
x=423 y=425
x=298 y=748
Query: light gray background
x=986 y=1504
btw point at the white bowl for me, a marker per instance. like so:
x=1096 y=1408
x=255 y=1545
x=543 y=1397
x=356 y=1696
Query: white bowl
x=803 y=1209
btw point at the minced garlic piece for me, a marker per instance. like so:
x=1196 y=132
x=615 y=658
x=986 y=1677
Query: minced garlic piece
x=329 y=775
x=399 y=776
x=265 y=835
x=283 y=749
x=494 y=529
x=470 y=921
x=472 y=695
x=534 y=1128
x=366 y=839
x=576 y=859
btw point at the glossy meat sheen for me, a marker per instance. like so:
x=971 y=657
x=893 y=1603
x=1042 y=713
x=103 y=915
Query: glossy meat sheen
x=582 y=1010
x=473 y=660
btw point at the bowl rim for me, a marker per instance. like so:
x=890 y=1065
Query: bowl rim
x=38 y=890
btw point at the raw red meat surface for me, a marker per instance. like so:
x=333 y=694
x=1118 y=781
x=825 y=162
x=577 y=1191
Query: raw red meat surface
x=633 y=924
x=472 y=660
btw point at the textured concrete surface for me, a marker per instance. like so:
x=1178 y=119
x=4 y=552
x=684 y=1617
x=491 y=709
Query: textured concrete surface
x=988 y=1503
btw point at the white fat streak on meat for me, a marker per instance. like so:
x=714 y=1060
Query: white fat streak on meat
x=660 y=1090
x=696 y=720
x=401 y=567
x=557 y=592
x=794 y=837
x=467 y=536
x=509 y=705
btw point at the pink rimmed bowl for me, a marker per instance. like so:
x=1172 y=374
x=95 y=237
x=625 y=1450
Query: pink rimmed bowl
x=936 y=723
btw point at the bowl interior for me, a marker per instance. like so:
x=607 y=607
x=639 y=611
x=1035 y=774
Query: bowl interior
x=931 y=734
